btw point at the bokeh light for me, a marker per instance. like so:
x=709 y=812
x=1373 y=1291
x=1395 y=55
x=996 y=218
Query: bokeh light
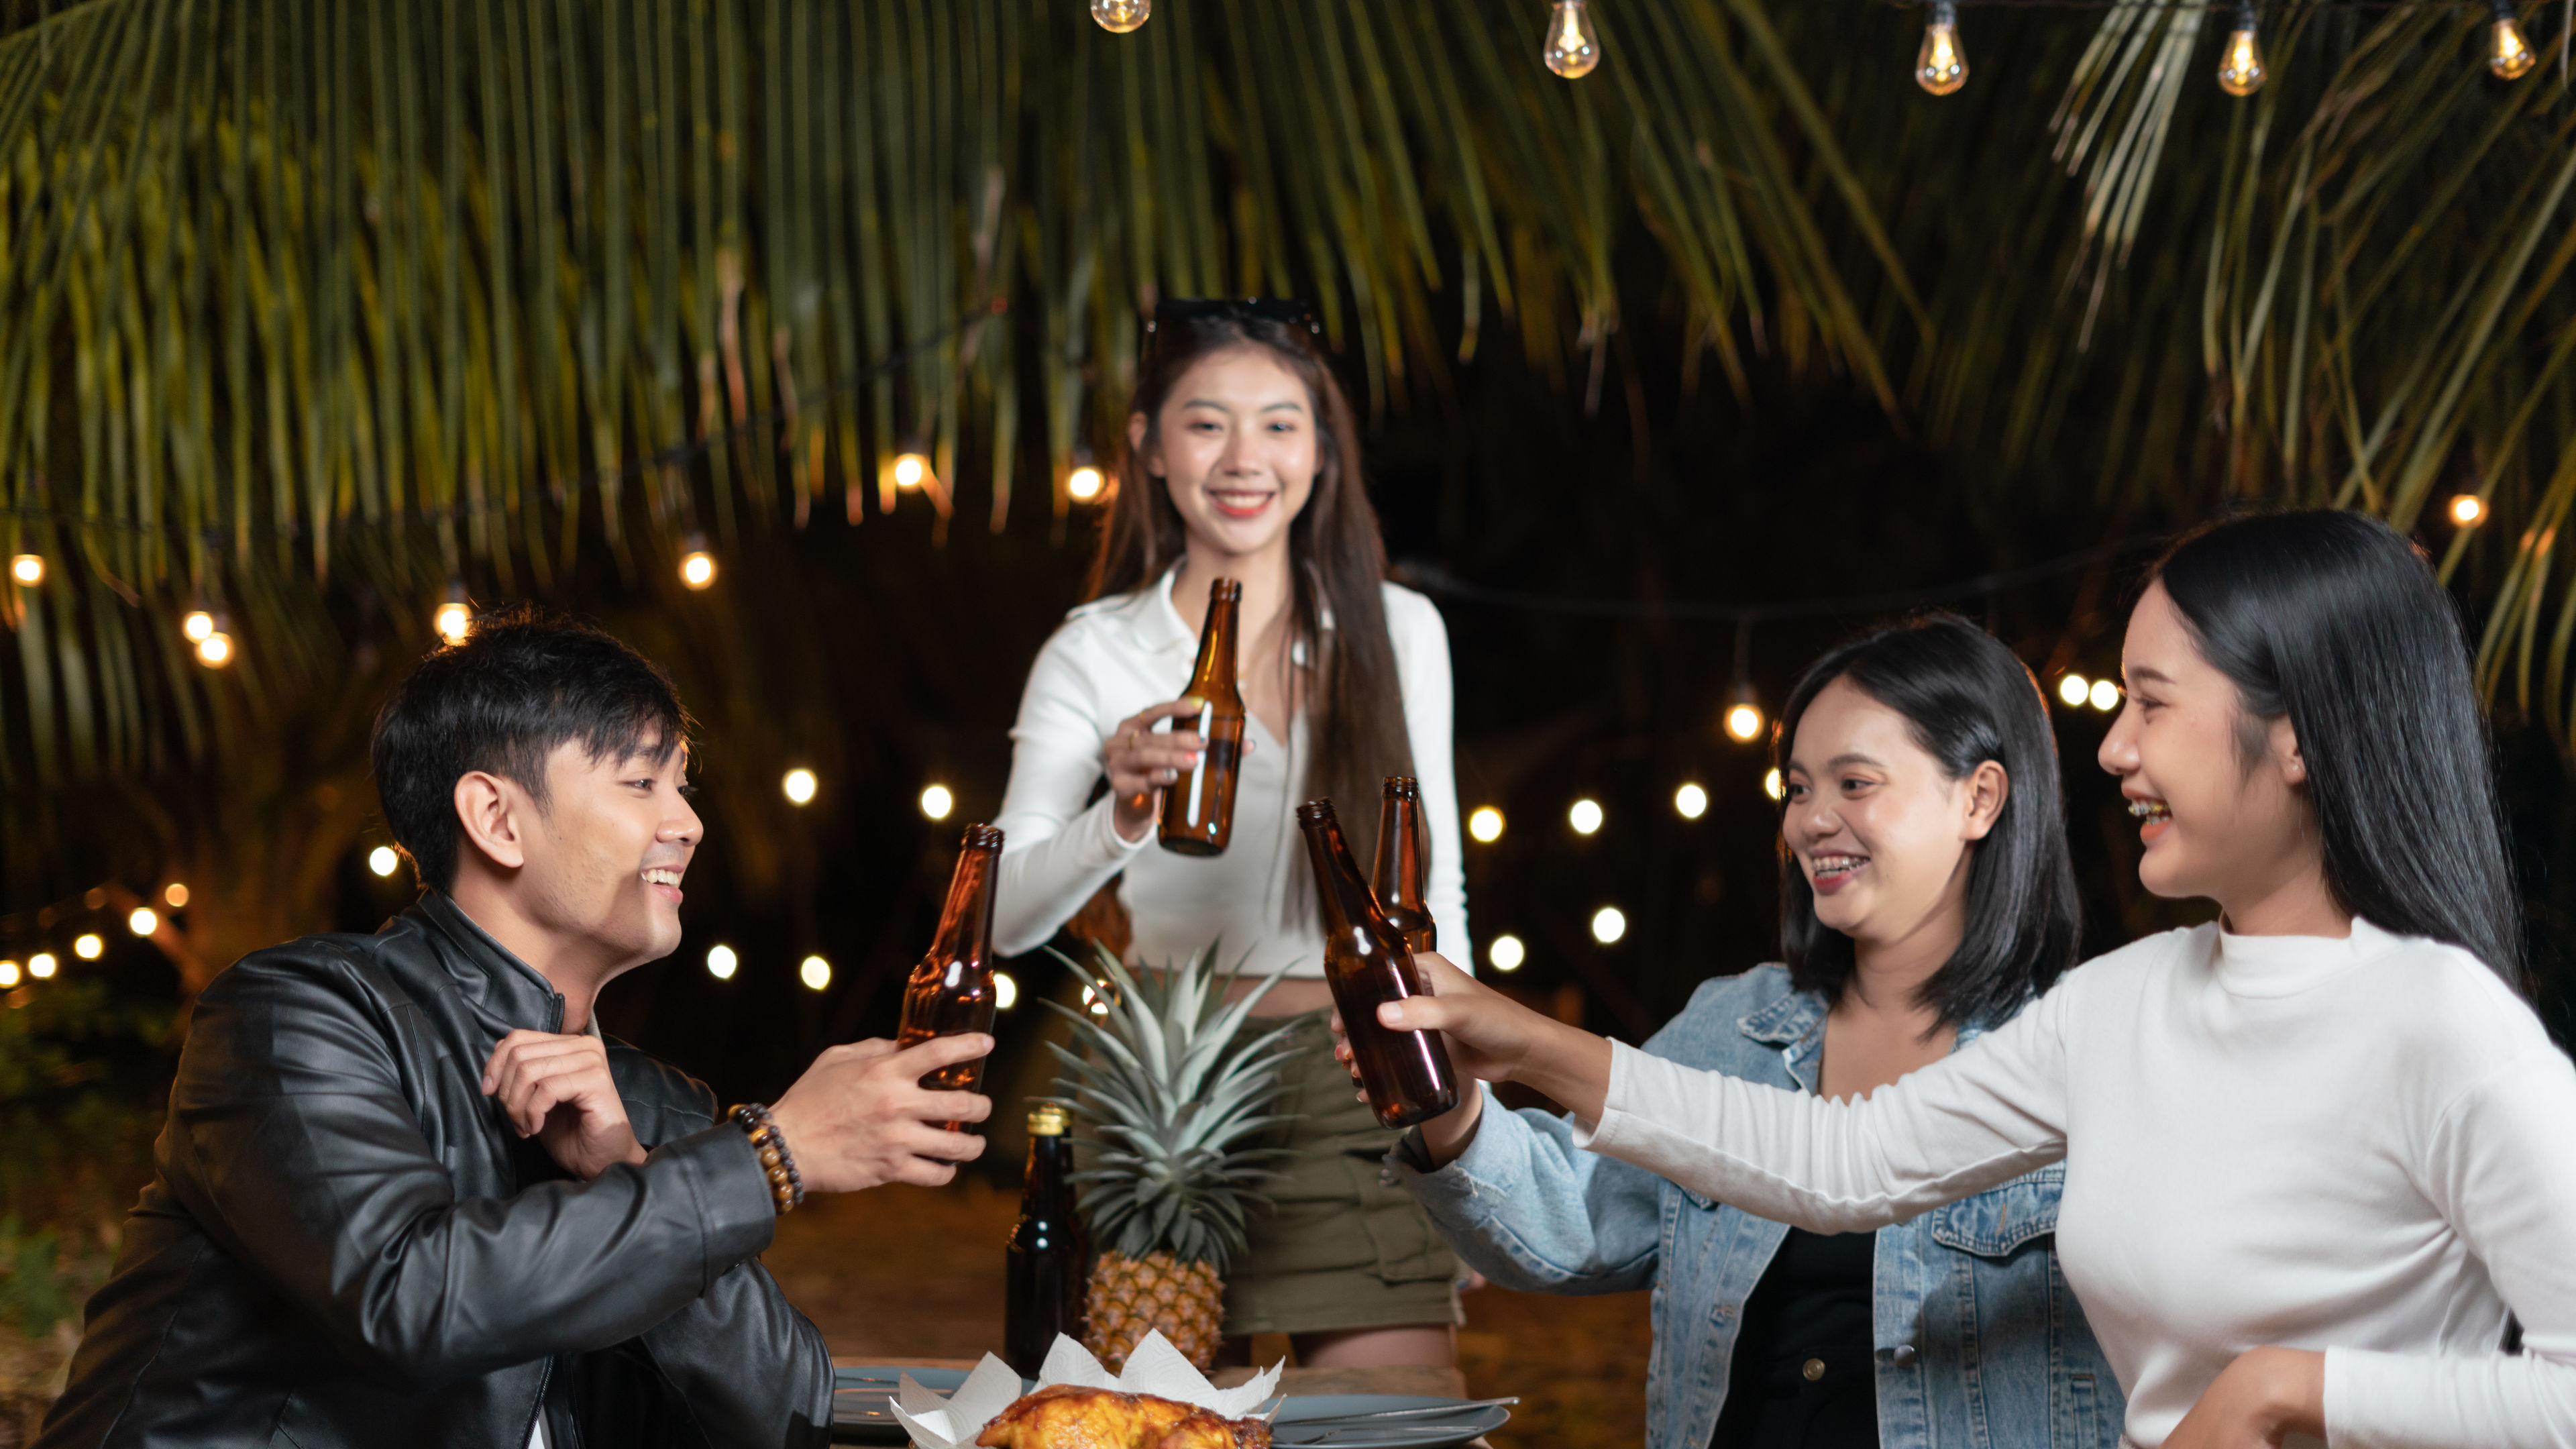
x=8 y=974
x=1609 y=924
x=1084 y=484
x=197 y=625
x=89 y=945
x=815 y=972
x=42 y=965
x=176 y=895
x=937 y=801
x=1507 y=953
x=1744 y=721
x=1771 y=785
x=2106 y=695
x=1584 y=815
x=722 y=962
x=28 y=569
x=698 y=568
x=2468 y=509
x=799 y=785
x=910 y=469
x=382 y=860
x=1006 y=992
x=215 y=650
x=1485 y=824
x=1690 y=801
x=2075 y=689
x=144 y=921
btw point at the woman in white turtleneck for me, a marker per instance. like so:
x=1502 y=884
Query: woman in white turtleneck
x=2318 y=1154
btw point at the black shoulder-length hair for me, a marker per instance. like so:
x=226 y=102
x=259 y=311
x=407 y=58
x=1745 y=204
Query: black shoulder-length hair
x=2334 y=620
x=1967 y=700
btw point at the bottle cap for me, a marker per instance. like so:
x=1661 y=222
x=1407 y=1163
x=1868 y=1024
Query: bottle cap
x=1047 y=1119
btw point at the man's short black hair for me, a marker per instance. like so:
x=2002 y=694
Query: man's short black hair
x=519 y=684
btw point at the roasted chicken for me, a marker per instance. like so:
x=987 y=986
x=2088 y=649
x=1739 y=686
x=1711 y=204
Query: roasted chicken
x=1064 y=1417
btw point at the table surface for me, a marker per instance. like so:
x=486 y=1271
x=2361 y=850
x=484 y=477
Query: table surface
x=1446 y=1383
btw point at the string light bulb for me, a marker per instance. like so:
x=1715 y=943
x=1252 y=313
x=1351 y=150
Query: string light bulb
x=911 y=468
x=2240 y=66
x=722 y=962
x=1084 y=483
x=2468 y=509
x=1006 y=992
x=8 y=974
x=2105 y=695
x=197 y=625
x=799 y=785
x=42 y=966
x=215 y=650
x=1941 y=67
x=1609 y=924
x=144 y=921
x=1771 y=785
x=1690 y=801
x=937 y=801
x=1121 y=16
x=89 y=945
x=1585 y=816
x=2508 y=54
x=1507 y=953
x=382 y=860
x=697 y=566
x=1485 y=825
x=176 y=895
x=27 y=568
x=2074 y=689
x=1572 y=49
x=454 y=620
x=815 y=972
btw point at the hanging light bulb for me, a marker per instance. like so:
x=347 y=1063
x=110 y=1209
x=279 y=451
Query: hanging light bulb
x=1572 y=51
x=1120 y=16
x=215 y=650
x=453 y=619
x=2240 y=66
x=28 y=568
x=1941 y=67
x=697 y=566
x=911 y=468
x=197 y=625
x=2508 y=54
x=1084 y=483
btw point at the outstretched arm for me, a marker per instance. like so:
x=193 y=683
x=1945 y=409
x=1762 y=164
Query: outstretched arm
x=1985 y=1115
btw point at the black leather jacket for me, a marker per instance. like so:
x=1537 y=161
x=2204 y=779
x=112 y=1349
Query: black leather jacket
x=345 y=1243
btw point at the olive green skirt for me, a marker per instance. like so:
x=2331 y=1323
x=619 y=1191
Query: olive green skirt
x=1342 y=1246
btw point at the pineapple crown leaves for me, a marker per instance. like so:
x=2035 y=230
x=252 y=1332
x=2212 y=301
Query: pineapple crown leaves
x=1173 y=1098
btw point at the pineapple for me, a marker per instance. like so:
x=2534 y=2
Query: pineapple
x=1172 y=1178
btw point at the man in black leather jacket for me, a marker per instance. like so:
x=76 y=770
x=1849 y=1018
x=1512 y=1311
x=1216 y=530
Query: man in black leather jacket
x=407 y=1195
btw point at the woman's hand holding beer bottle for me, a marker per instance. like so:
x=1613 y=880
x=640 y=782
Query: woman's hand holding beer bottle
x=1141 y=760
x=1492 y=1038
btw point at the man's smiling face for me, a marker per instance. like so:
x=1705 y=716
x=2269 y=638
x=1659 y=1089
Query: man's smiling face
x=609 y=848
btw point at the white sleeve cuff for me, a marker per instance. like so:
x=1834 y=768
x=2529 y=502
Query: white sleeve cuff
x=1604 y=1136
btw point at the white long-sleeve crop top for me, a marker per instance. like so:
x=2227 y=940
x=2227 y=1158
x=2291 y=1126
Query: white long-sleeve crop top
x=1113 y=657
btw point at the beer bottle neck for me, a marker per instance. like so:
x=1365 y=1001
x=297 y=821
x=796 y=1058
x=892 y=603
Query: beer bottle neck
x=1215 y=668
x=1398 y=877
x=1337 y=879
x=966 y=921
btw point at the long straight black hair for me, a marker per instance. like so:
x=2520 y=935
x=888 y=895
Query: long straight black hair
x=1355 y=702
x=1966 y=700
x=2335 y=621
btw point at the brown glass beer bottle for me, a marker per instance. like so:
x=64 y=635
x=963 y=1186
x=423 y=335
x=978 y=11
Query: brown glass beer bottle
x=1405 y=1073
x=952 y=991
x=1401 y=865
x=1198 y=808
x=1049 y=1274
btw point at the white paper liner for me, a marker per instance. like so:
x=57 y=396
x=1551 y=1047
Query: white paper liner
x=1154 y=1368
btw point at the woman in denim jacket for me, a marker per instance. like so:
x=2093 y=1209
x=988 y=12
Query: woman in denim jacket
x=1926 y=896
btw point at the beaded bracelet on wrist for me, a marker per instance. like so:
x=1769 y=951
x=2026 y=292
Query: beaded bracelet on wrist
x=786 y=1187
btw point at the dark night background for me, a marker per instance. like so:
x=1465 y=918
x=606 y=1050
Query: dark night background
x=886 y=660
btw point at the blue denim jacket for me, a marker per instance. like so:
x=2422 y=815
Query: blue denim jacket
x=1979 y=1340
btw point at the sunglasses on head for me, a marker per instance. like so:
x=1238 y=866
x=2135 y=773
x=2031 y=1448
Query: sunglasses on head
x=1287 y=311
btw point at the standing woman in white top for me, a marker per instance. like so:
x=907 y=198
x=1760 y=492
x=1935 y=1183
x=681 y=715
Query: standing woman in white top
x=2318 y=1154
x=1243 y=463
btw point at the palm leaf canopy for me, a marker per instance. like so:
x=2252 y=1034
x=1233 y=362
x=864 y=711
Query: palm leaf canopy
x=303 y=301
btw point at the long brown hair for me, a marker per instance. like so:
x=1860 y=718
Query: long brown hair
x=1354 y=702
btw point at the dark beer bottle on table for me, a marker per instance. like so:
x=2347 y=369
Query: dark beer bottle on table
x=1401 y=865
x=952 y=990
x=1049 y=1272
x=1405 y=1073
x=1198 y=808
